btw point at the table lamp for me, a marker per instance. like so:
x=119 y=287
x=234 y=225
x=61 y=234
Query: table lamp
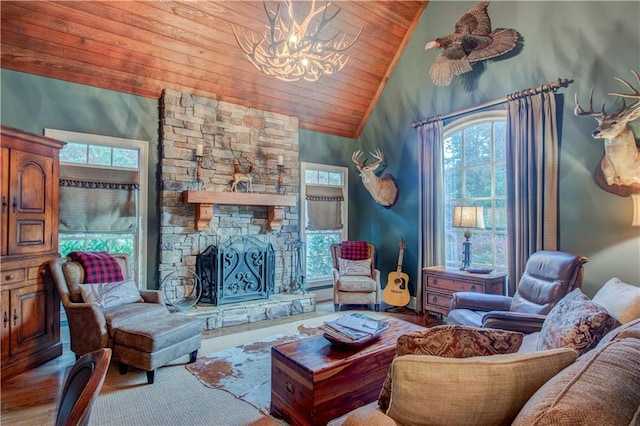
x=467 y=217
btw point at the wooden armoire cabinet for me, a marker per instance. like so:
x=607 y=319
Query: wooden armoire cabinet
x=29 y=239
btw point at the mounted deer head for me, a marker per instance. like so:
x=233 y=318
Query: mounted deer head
x=620 y=165
x=383 y=189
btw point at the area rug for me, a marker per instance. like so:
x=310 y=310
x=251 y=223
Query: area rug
x=175 y=399
x=245 y=370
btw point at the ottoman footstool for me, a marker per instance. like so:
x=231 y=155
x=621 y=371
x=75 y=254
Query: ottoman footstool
x=152 y=344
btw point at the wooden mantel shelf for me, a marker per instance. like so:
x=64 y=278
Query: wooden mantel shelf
x=204 y=201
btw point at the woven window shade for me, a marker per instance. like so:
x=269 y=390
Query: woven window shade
x=98 y=200
x=324 y=207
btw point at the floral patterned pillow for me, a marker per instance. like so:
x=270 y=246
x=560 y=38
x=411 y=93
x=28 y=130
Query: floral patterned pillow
x=575 y=322
x=452 y=341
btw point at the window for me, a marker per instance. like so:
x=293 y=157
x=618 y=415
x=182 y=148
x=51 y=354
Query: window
x=475 y=175
x=324 y=216
x=110 y=169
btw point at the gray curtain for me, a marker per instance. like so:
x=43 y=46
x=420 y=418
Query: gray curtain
x=324 y=207
x=431 y=203
x=94 y=200
x=532 y=179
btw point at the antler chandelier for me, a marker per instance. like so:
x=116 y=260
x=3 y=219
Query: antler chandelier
x=290 y=50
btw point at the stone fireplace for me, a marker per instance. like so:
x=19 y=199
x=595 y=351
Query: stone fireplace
x=233 y=137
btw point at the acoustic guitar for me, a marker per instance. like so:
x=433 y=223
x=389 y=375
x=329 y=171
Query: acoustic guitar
x=396 y=292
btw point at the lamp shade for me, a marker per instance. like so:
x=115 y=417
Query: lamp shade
x=636 y=209
x=468 y=217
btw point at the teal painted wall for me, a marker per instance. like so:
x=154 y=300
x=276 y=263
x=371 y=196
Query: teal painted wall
x=34 y=103
x=589 y=42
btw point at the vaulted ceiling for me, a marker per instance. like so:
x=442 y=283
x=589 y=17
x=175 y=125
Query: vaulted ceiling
x=143 y=47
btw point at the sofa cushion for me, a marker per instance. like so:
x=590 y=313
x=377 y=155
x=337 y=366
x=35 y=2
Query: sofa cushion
x=367 y=415
x=354 y=267
x=575 y=322
x=630 y=329
x=452 y=341
x=483 y=390
x=620 y=299
x=601 y=388
x=111 y=294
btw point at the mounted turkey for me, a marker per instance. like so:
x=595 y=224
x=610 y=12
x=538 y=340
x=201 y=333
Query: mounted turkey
x=472 y=41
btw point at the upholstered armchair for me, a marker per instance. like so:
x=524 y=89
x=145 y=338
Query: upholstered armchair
x=355 y=281
x=136 y=324
x=90 y=326
x=547 y=278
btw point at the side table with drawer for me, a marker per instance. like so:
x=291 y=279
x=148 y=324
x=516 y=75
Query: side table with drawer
x=441 y=282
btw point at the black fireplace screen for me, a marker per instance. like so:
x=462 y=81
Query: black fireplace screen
x=241 y=269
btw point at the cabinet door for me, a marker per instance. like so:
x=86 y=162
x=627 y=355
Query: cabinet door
x=30 y=211
x=4 y=190
x=31 y=314
x=6 y=318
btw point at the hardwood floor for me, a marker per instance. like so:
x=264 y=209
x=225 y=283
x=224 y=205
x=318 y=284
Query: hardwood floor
x=31 y=397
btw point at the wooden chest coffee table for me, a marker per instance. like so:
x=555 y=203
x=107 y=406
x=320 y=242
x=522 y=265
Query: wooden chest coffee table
x=313 y=382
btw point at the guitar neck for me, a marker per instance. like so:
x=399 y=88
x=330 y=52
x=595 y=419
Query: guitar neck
x=400 y=256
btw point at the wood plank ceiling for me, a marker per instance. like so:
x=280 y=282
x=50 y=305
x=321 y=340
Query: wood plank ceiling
x=143 y=47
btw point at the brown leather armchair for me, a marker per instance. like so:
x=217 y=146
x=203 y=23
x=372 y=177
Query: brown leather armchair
x=142 y=334
x=547 y=278
x=90 y=326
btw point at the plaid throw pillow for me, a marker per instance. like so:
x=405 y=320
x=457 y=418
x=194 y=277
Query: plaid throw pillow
x=99 y=266
x=355 y=250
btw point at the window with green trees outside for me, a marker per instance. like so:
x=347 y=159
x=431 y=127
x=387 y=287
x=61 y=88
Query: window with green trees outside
x=475 y=175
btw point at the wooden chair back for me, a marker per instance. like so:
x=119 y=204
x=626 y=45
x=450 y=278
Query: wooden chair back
x=81 y=387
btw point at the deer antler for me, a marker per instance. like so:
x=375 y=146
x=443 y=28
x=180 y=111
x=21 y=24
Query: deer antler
x=356 y=157
x=635 y=94
x=377 y=155
x=578 y=111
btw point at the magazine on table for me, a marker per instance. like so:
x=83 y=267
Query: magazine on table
x=353 y=327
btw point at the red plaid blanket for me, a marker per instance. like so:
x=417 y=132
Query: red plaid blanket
x=355 y=250
x=100 y=267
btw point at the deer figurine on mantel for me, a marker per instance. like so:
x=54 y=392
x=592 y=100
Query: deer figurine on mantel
x=383 y=189
x=619 y=170
x=244 y=177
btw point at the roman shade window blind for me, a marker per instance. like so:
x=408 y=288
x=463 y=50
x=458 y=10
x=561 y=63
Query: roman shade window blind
x=95 y=200
x=324 y=207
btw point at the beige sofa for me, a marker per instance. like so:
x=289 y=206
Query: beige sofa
x=595 y=383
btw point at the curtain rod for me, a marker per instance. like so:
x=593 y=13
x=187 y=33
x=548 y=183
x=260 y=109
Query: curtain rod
x=549 y=87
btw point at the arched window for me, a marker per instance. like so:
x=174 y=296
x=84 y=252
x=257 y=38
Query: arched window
x=475 y=176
